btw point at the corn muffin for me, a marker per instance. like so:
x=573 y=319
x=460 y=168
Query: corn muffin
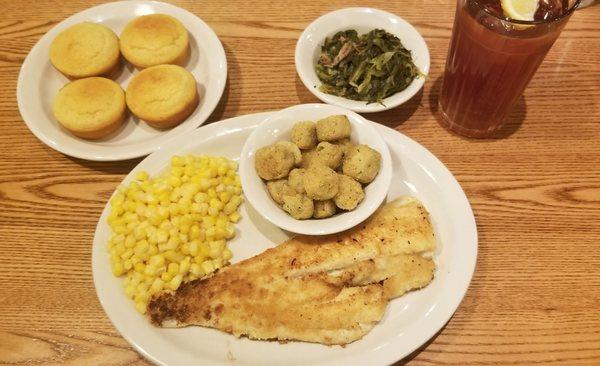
x=163 y=95
x=84 y=50
x=154 y=39
x=90 y=108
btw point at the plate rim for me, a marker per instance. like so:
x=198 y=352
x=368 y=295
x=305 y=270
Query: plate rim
x=350 y=104
x=382 y=358
x=28 y=119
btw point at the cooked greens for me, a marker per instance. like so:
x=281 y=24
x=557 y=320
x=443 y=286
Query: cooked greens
x=369 y=67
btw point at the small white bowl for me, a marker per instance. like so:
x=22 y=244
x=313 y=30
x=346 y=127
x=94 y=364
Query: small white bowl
x=362 y=20
x=278 y=127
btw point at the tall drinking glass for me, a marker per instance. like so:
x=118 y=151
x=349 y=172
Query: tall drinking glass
x=491 y=60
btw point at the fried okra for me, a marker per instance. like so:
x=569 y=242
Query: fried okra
x=333 y=128
x=279 y=188
x=274 y=161
x=293 y=149
x=324 y=209
x=345 y=145
x=362 y=163
x=320 y=182
x=307 y=158
x=298 y=206
x=296 y=180
x=329 y=155
x=350 y=193
x=304 y=135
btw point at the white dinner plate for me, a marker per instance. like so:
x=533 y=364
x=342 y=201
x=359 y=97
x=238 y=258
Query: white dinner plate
x=39 y=82
x=409 y=321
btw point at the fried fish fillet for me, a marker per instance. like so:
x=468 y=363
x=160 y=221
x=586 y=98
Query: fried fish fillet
x=329 y=289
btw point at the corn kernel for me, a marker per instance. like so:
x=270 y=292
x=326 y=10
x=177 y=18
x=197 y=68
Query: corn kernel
x=200 y=197
x=175 y=282
x=140 y=306
x=196 y=270
x=194 y=232
x=119 y=248
x=173 y=268
x=184 y=229
x=174 y=181
x=194 y=248
x=130 y=291
x=214 y=249
x=184 y=266
x=237 y=200
x=189 y=159
x=157 y=285
x=140 y=267
x=150 y=270
x=234 y=217
x=153 y=249
x=156 y=261
x=185 y=249
x=139 y=233
x=117 y=199
x=142 y=176
x=176 y=160
x=130 y=241
x=162 y=236
x=118 y=269
x=166 y=276
x=211 y=232
x=127 y=264
x=174 y=255
x=177 y=171
x=200 y=258
x=208 y=267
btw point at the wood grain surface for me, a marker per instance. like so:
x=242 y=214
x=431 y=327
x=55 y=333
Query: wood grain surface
x=535 y=296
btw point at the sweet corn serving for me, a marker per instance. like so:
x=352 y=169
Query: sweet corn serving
x=173 y=228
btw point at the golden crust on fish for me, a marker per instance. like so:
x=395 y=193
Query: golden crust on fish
x=330 y=289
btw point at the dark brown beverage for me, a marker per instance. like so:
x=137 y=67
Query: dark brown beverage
x=492 y=59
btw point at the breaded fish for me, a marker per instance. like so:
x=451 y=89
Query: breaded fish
x=329 y=289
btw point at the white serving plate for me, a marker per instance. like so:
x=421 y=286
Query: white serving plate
x=39 y=82
x=409 y=321
x=362 y=20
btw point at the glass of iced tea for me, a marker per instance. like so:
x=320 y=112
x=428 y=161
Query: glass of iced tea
x=491 y=59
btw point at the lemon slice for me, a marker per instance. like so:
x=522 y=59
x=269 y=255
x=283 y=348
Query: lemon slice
x=520 y=9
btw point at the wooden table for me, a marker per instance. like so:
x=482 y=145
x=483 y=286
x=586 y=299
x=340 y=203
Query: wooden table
x=535 y=297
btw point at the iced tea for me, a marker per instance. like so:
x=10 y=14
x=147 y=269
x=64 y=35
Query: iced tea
x=491 y=59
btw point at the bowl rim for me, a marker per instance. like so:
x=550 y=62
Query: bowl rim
x=393 y=100
x=311 y=226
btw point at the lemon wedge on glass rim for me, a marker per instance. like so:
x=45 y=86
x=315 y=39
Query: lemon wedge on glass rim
x=520 y=9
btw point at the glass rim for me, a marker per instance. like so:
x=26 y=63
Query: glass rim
x=531 y=22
